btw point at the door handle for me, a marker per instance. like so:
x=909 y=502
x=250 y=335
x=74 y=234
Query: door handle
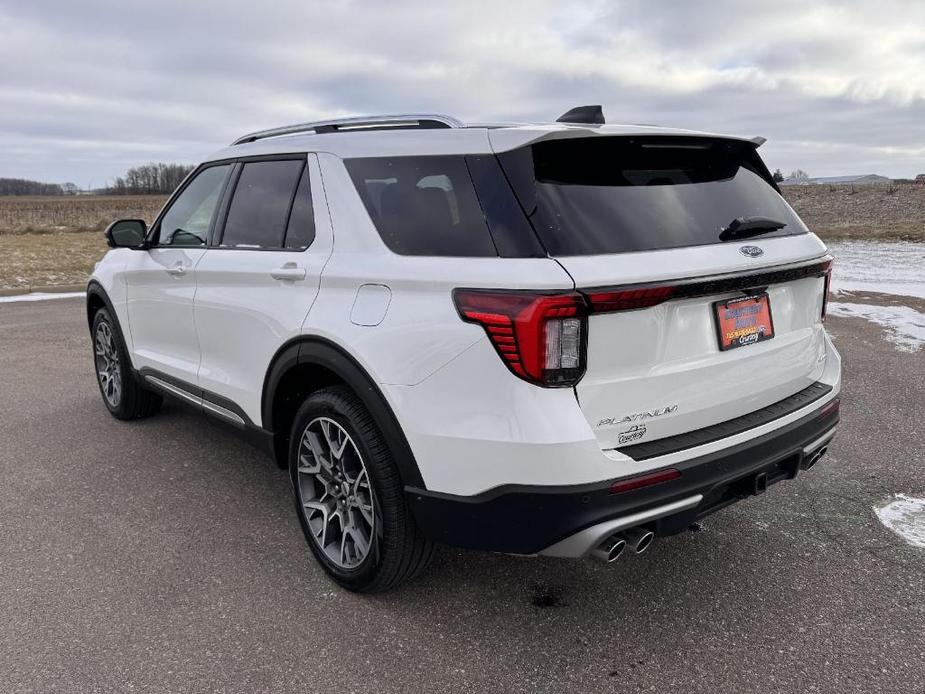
x=177 y=270
x=289 y=271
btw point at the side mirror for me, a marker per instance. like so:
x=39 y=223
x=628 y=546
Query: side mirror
x=127 y=233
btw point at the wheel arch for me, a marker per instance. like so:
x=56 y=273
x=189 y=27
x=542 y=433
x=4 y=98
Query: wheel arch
x=97 y=298
x=306 y=364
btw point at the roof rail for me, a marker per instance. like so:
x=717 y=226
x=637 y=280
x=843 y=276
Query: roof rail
x=402 y=121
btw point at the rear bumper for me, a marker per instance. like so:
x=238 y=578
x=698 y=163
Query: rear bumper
x=570 y=520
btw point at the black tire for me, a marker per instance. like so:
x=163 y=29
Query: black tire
x=133 y=400
x=397 y=551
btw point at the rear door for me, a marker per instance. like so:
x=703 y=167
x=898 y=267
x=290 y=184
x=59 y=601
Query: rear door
x=686 y=330
x=260 y=276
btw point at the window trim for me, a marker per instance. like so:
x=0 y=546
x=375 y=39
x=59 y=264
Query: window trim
x=218 y=231
x=154 y=233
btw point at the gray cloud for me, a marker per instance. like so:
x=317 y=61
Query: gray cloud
x=88 y=89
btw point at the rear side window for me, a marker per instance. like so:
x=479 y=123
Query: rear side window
x=423 y=205
x=590 y=196
x=263 y=198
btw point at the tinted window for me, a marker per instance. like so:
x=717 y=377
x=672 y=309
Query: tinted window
x=590 y=196
x=423 y=205
x=187 y=221
x=301 y=229
x=259 y=210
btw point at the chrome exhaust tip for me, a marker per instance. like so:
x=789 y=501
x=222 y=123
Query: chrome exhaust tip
x=815 y=457
x=609 y=550
x=638 y=539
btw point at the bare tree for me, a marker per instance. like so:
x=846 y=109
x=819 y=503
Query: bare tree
x=150 y=179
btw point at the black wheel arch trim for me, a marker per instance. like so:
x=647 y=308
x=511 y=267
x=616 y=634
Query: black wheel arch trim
x=95 y=289
x=318 y=351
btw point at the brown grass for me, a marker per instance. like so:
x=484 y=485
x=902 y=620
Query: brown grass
x=35 y=260
x=41 y=214
x=879 y=211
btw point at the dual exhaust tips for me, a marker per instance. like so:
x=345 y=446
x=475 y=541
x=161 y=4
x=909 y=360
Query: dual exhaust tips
x=811 y=460
x=637 y=539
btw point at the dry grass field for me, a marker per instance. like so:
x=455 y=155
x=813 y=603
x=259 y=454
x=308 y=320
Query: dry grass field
x=883 y=211
x=30 y=214
x=38 y=260
x=56 y=240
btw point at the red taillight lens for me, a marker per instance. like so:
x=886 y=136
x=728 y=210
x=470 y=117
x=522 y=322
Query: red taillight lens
x=628 y=299
x=825 y=290
x=647 y=480
x=541 y=337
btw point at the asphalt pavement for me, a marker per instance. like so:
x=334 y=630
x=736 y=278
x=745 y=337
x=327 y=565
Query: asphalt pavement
x=164 y=555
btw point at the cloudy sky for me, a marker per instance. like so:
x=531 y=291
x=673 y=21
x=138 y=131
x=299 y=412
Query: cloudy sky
x=90 y=88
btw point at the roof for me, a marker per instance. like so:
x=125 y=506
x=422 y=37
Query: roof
x=359 y=140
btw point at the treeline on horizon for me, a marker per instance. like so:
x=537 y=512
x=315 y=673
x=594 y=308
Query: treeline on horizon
x=21 y=186
x=147 y=179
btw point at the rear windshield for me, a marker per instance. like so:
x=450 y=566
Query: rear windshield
x=589 y=196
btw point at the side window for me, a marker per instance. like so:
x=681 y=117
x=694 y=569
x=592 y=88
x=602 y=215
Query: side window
x=423 y=205
x=301 y=230
x=263 y=198
x=187 y=221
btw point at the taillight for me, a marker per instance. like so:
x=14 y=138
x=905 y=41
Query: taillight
x=541 y=337
x=608 y=301
x=825 y=290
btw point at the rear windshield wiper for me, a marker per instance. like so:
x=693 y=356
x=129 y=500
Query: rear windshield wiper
x=743 y=227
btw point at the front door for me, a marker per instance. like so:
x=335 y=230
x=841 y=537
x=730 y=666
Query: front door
x=161 y=282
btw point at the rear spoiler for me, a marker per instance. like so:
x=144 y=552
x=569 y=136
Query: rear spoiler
x=505 y=139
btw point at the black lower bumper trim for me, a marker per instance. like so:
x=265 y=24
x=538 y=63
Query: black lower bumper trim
x=526 y=519
x=698 y=437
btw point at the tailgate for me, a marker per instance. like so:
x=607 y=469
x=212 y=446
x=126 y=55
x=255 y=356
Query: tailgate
x=659 y=371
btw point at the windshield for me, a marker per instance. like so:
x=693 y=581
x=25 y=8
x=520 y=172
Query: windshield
x=590 y=196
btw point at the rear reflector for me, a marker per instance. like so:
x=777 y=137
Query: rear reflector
x=646 y=480
x=831 y=407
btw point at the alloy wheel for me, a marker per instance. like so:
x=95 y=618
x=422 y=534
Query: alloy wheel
x=108 y=367
x=335 y=493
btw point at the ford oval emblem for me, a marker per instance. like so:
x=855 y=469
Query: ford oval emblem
x=751 y=251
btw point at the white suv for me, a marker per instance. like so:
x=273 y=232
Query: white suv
x=561 y=339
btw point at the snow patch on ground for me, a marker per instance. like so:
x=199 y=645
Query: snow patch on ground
x=896 y=267
x=905 y=326
x=40 y=296
x=905 y=516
